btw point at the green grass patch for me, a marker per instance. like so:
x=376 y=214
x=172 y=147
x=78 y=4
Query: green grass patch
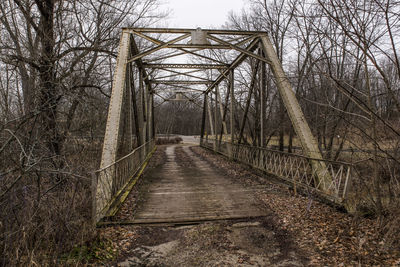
x=98 y=250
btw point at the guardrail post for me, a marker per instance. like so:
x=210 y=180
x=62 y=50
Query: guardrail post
x=348 y=174
x=93 y=190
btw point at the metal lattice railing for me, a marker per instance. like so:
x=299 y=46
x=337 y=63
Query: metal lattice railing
x=293 y=168
x=110 y=181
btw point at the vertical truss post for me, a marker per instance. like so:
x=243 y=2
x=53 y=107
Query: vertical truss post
x=248 y=102
x=203 y=119
x=142 y=130
x=145 y=116
x=216 y=116
x=296 y=115
x=209 y=106
x=146 y=113
x=128 y=106
x=232 y=108
x=224 y=114
x=150 y=117
x=134 y=107
x=221 y=111
x=153 y=136
x=263 y=86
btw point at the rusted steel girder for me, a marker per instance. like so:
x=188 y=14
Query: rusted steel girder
x=159 y=47
x=114 y=110
x=299 y=122
x=251 y=47
x=185 y=66
x=177 y=31
x=187 y=82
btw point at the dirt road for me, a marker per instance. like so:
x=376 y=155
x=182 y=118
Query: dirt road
x=294 y=230
x=226 y=224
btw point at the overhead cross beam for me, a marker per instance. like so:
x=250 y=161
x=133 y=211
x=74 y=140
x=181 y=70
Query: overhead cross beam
x=185 y=66
x=161 y=46
x=177 y=87
x=187 y=74
x=187 y=82
x=182 y=31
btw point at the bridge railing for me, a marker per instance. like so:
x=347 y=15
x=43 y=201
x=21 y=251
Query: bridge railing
x=293 y=168
x=109 y=182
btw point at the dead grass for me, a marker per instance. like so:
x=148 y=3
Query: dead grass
x=329 y=236
x=47 y=212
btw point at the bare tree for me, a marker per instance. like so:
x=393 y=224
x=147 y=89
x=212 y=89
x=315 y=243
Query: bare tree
x=57 y=57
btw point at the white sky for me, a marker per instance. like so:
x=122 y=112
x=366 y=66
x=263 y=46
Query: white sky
x=201 y=13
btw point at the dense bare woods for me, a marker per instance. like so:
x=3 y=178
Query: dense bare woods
x=183 y=118
x=56 y=61
x=342 y=58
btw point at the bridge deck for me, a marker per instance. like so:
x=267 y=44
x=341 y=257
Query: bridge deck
x=187 y=188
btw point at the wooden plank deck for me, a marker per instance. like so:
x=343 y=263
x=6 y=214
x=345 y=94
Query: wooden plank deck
x=194 y=191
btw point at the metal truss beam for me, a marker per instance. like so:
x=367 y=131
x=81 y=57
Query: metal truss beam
x=201 y=56
x=167 y=56
x=139 y=61
x=177 y=87
x=111 y=135
x=178 y=82
x=187 y=74
x=177 y=31
x=161 y=46
x=299 y=122
x=103 y=185
x=185 y=66
x=250 y=48
x=200 y=46
x=175 y=73
x=235 y=47
x=180 y=89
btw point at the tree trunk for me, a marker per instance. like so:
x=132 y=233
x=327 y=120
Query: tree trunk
x=48 y=95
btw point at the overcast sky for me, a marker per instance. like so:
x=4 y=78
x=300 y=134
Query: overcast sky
x=201 y=13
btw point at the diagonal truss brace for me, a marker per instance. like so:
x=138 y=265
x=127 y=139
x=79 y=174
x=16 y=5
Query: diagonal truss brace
x=115 y=106
x=299 y=122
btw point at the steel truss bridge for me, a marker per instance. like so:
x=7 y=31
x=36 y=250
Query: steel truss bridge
x=150 y=63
